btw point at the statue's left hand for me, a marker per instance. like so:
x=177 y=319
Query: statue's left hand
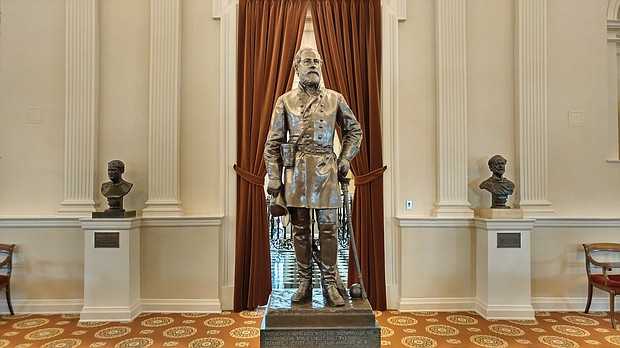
x=273 y=187
x=343 y=167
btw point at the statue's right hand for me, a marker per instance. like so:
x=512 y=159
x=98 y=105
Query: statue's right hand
x=273 y=187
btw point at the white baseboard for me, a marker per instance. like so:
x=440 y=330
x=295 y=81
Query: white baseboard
x=46 y=306
x=549 y=304
x=146 y=305
x=227 y=294
x=441 y=304
x=392 y=295
x=505 y=312
x=570 y=304
x=110 y=313
x=181 y=306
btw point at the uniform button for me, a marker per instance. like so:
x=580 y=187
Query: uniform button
x=321 y=120
x=307 y=135
x=320 y=137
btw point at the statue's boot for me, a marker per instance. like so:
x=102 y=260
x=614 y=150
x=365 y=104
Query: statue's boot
x=303 y=256
x=332 y=295
x=303 y=293
x=328 y=229
x=342 y=289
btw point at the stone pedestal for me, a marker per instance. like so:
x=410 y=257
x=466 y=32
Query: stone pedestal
x=111 y=269
x=503 y=276
x=313 y=324
x=489 y=213
x=113 y=214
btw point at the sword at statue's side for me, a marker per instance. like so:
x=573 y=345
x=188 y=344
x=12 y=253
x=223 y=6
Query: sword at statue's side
x=344 y=183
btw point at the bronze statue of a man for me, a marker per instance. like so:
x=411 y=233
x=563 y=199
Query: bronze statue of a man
x=302 y=166
x=499 y=186
x=115 y=189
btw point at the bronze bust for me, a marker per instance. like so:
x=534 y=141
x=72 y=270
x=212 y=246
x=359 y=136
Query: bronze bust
x=115 y=189
x=499 y=187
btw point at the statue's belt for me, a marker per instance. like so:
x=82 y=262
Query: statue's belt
x=315 y=149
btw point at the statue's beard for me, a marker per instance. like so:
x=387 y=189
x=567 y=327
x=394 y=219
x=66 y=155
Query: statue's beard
x=310 y=80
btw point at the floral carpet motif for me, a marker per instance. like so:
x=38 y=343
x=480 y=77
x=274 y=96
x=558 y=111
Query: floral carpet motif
x=230 y=329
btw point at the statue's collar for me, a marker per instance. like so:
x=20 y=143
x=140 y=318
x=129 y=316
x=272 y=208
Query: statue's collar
x=498 y=178
x=312 y=93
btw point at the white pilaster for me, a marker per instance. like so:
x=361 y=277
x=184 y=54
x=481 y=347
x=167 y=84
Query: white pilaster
x=452 y=110
x=613 y=31
x=226 y=12
x=531 y=100
x=81 y=107
x=164 y=109
x=392 y=12
x=613 y=38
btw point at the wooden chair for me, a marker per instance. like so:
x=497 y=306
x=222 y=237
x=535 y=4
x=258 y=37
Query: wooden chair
x=6 y=267
x=601 y=276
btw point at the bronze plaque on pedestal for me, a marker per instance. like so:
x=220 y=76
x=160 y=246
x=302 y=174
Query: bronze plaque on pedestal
x=107 y=240
x=509 y=240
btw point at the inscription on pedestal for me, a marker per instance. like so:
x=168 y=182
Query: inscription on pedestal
x=321 y=338
x=107 y=240
x=509 y=240
x=313 y=324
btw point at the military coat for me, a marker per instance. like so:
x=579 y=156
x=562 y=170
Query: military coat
x=309 y=122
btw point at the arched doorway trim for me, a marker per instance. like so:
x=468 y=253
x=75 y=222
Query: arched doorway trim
x=225 y=11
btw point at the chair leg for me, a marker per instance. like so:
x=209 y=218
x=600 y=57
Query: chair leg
x=8 y=299
x=590 y=286
x=612 y=312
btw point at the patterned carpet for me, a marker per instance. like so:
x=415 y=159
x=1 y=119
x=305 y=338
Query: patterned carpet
x=230 y=329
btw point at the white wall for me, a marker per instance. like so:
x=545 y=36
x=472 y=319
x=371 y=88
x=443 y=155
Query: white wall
x=31 y=76
x=201 y=141
x=491 y=92
x=180 y=257
x=581 y=182
x=123 y=94
x=582 y=186
x=416 y=122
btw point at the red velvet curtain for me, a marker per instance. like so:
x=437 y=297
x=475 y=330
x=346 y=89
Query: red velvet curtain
x=269 y=35
x=348 y=34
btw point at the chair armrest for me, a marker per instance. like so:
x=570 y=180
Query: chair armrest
x=4 y=262
x=606 y=267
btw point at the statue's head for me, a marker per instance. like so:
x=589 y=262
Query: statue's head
x=497 y=165
x=307 y=64
x=116 y=168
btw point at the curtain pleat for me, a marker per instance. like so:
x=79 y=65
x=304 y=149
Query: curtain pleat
x=269 y=35
x=348 y=36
